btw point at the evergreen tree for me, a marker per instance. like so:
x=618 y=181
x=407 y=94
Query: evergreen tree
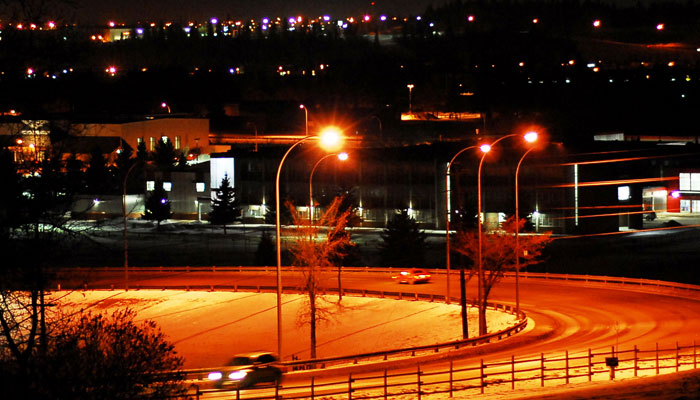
x=404 y=243
x=157 y=205
x=265 y=254
x=164 y=154
x=97 y=174
x=142 y=152
x=224 y=205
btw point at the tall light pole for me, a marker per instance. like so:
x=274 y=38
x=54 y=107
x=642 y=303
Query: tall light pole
x=462 y=288
x=306 y=119
x=330 y=140
x=166 y=106
x=530 y=137
x=126 y=238
x=410 y=87
x=341 y=157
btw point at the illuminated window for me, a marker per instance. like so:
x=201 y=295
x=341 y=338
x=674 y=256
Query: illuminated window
x=685 y=206
x=689 y=181
x=167 y=186
x=623 y=193
x=177 y=142
x=139 y=140
x=152 y=143
x=695 y=206
x=164 y=139
x=200 y=187
x=150 y=186
x=695 y=182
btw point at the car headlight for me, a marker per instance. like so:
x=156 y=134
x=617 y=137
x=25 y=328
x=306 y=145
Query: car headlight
x=214 y=376
x=237 y=375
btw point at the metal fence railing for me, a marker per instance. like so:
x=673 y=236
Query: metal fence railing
x=480 y=377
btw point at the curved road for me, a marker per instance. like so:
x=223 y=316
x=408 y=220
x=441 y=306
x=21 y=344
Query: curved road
x=567 y=315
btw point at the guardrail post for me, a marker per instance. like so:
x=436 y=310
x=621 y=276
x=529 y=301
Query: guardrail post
x=695 y=356
x=312 y=388
x=657 y=358
x=451 y=371
x=636 y=363
x=386 y=394
x=542 y=369
x=590 y=365
x=419 y=387
x=567 y=366
x=350 y=387
x=512 y=372
x=482 y=376
x=677 y=357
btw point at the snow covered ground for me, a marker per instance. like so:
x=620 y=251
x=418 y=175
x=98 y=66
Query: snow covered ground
x=208 y=328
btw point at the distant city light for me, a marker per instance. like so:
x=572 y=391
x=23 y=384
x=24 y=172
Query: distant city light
x=596 y=23
x=326 y=18
x=139 y=31
x=214 y=21
x=660 y=27
x=52 y=24
x=382 y=18
x=535 y=20
x=111 y=24
x=366 y=18
x=187 y=29
x=292 y=20
x=265 y=21
x=163 y=201
x=418 y=18
x=471 y=18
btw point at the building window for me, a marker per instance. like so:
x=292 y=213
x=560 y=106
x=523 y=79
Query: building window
x=685 y=206
x=623 y=193
x=695 y=204
x=689 y=181
x=167 y=186
x=200 y=187
x=164 y=139
x=177 y=142
x=139 y=140
x=152 y=143
x=150 y=185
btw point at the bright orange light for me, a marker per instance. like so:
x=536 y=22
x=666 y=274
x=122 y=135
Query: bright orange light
x=660 y=27
x=52 y=24
x=485 y=148
x=331 y=138
x=19 y=141
x=343 y=156
x=531 y=137
x=535 y=21
x=111 y=24
x=301 y=106
x=596 y=23
x=31 y=145
x=470 y=18
x=30 y=71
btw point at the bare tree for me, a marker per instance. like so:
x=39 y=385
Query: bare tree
x=314 y=249
x=498 y=255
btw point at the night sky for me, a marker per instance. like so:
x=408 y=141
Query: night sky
x=182 y=10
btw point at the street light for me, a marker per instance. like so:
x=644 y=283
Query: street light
x=166 y=106
x=342 y=157
x=126 y=238
x=410 y=87
x=485 y=148
x=530 y=137
x=306 y=119
x=330 y=140
x=462 y=289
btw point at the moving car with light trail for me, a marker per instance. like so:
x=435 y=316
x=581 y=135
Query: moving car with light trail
x=412 y=276
x=248 y=369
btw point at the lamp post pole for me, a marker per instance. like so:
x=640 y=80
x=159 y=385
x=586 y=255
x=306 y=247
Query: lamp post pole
x=517 y=234
x=278 y=232
x=529 y=137
x=311 y=178
x=306 y=119
x=126 y=238
x=482 y=317
x=463 y=294
x=410 y=87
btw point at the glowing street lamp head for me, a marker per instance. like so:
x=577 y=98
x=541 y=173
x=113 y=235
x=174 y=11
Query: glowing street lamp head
x=301 y=106
x=485 y=148
x=331 y=138
x=531 y=137
x=343 y=156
